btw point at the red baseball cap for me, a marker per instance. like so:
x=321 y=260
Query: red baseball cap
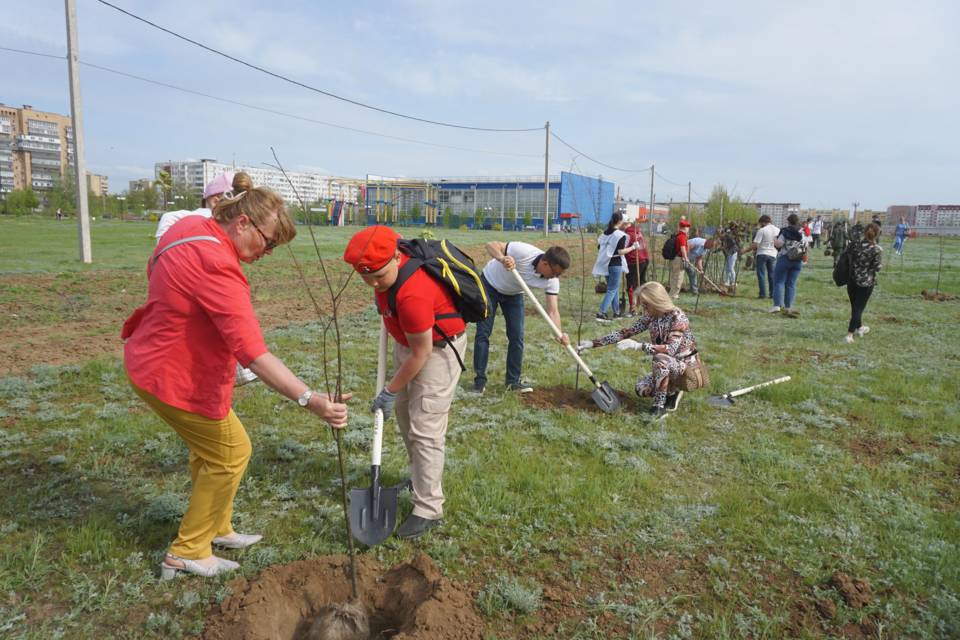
x=371 y=249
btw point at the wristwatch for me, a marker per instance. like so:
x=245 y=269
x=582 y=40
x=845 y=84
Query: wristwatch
x=304 y=398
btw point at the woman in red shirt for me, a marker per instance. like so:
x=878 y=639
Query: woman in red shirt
x=182 y=348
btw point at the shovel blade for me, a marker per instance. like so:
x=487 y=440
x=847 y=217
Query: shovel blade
x=720 y=401
x=606 y=398
x=371 y=526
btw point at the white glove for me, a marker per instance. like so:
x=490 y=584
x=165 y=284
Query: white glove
x=635 y=246
x=584 y=345
x=628 y=344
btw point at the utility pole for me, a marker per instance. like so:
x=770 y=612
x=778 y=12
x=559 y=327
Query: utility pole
x=855 y=205
x=689 y=186
x=546 y=182
x=651 y=237
x=76 y=118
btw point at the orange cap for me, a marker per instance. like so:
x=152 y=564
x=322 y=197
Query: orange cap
x=371 y=249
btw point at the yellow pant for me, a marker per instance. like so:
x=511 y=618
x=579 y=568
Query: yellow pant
x=219 y=452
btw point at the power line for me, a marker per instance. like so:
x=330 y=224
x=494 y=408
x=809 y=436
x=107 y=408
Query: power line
x=274 y=111
x=668 y=180
x=594 y=160
x=307 y=86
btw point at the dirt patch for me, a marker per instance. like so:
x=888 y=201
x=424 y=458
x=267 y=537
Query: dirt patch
x=856 y=592
x=69 y=318
x=410 y=600
x=936 y=297
x=570 y=399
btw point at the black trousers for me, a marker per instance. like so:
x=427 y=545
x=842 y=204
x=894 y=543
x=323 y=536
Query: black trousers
x=858 y=302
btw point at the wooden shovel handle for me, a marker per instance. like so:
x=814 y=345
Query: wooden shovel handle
x=556 y=332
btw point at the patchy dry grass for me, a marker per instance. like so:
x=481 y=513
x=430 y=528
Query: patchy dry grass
x=566 y=522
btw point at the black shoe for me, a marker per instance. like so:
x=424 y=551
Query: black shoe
x=521 y=387
x=657 y=413
x=415 y=526
x=673 y=400
x=478 y=387
x=602 y=317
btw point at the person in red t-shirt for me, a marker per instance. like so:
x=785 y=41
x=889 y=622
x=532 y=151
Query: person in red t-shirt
x=181 y=352
x=427 y=369
x=637 y=261
x=682 y=260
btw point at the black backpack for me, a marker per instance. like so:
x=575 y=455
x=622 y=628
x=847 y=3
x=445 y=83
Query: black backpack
x=844 y=267
x=669 y=250
x=455 y=270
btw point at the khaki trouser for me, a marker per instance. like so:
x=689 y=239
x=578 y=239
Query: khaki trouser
x=423 y=407
x=676 y=276
x=219 y=453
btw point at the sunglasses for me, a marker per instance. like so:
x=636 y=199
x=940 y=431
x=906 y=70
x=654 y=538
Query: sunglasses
x=270 y=243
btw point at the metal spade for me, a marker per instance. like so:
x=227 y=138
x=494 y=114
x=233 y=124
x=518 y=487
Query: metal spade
x=373 y=511
x=726 y=400
x=603 y=395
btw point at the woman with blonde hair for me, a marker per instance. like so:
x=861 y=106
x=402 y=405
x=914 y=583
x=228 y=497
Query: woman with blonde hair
x=866 y=258
x=671 y=345
x=181 y=350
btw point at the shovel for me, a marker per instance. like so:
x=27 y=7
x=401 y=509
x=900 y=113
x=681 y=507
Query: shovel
x=373 y=511
x=604 y=396
x=726 y=400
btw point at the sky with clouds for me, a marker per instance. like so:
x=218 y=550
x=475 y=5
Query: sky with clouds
x=822 y=103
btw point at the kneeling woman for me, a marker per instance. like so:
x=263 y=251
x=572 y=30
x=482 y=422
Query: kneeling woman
x=671 y=344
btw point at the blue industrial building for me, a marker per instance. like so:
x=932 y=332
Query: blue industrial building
x=514 y=202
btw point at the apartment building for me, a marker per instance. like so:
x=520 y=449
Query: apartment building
x=97 y=185
x=311 y=187
x=36 y=148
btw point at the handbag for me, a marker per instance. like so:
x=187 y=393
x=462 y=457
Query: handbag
x=695 y=376
x=600 y=286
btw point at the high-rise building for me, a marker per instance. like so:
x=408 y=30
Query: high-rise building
x=36 y=148
x=97 y=185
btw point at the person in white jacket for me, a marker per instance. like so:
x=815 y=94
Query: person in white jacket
x=610 y=263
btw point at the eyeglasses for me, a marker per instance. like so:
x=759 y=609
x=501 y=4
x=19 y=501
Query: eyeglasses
x=270 y=243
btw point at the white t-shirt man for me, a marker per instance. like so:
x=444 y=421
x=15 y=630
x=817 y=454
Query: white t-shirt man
x=170 y=218
x=526 y=256
x=817 y=227
x=764 y=240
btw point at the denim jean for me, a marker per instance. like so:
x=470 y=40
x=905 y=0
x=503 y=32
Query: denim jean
x=785 y=276
x=613 y=287
x=512 y=307
x=691 y=276
x=765 y=274
x=729 y=272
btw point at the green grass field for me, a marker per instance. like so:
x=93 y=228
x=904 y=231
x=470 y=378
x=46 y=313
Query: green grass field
x=715 y=523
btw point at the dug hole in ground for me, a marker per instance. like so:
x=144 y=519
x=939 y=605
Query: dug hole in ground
x=410 y=600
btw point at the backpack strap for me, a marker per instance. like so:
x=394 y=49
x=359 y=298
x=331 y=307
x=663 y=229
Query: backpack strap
x=403 y=275
x=153 y=261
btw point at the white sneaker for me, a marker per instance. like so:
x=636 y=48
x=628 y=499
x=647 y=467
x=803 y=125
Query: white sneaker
x=774 y=310
x=862 y=331
x=848 y=339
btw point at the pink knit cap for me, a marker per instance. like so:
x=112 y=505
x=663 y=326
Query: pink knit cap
x=221 y=184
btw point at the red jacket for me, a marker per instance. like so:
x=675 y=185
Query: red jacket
x=640 y=255
x=183 y=344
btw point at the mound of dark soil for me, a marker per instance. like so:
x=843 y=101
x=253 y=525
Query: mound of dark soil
x=937 y=297
x=570 y=399
x=410 y=600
